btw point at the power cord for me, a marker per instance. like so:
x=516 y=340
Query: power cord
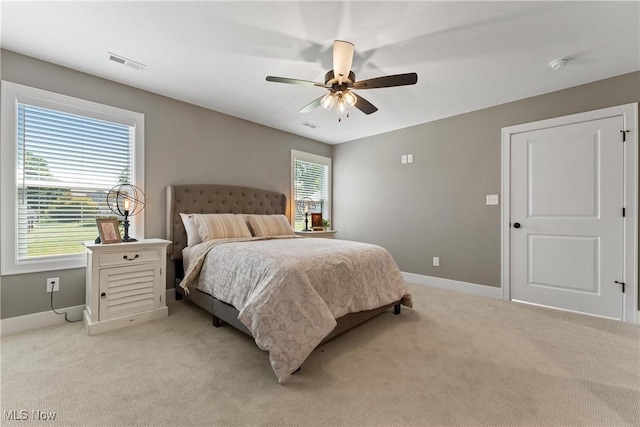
x=64 y=312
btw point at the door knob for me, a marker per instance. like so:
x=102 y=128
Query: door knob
x=516 y=225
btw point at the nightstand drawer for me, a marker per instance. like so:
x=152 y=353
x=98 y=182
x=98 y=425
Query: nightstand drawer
x=123 y=257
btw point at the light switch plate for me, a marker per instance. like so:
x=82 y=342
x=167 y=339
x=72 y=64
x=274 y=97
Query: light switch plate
x=492 y=199
x=403 y=159
x=409 y=158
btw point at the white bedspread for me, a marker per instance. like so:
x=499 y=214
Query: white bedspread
x=289 y=291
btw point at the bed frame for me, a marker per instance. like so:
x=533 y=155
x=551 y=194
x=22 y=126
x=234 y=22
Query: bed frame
x=214 y=198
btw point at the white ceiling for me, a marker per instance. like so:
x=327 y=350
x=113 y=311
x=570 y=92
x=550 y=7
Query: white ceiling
x=468 y=55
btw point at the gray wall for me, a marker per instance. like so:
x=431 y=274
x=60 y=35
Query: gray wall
x=183 y=144
x=436 y=205
x=433 y=207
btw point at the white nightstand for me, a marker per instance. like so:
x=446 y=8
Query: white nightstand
x=125 y=284
x=329 y=234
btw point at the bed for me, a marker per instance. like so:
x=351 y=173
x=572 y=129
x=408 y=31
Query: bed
x=292 y=302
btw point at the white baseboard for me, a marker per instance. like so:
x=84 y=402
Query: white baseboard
x=453 y=285
x=28 y=322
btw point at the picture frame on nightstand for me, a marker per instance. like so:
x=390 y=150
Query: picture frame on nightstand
x=316 y=221
x=108 y=230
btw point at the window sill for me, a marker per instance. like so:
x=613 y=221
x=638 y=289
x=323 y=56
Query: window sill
x=41 y=265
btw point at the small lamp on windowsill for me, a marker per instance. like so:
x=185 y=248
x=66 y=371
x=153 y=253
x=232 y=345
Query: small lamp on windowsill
x=305 y=206
x=126 y=200
x=306 y=218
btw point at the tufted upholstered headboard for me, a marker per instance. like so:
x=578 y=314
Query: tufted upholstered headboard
x=214 y=198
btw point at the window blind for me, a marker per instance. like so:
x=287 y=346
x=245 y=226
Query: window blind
x=66 y=164
x=311 y=180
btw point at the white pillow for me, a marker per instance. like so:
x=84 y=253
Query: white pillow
x=270 y=225
x=193 y=235
x=221 y=226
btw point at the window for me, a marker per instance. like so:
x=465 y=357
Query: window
x=310 y=178
x=60 y=156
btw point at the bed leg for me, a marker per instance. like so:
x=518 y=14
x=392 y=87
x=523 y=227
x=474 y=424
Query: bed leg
x=396 y=309
x=216 y=321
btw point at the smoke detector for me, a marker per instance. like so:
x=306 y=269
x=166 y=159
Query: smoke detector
x=124 y=61
x=558 y=63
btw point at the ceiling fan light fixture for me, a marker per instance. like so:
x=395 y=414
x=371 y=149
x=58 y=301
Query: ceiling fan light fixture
x=341 y=108
x=341 y=81
x=328 y=101
x=349 y=98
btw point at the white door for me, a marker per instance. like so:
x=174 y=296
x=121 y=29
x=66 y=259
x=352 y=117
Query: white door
x=567 y=226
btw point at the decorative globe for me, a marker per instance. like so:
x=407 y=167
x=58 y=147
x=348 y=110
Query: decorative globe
x=305 y=205
x=125 y=200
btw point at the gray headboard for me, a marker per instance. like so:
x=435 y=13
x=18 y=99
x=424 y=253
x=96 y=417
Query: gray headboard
x=214 y=198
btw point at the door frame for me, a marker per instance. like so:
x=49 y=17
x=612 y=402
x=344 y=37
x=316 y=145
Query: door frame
x=629 y=113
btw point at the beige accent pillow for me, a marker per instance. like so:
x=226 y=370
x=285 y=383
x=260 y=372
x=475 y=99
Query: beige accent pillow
x=221 y=226
x=270 y=225
x=193 y=235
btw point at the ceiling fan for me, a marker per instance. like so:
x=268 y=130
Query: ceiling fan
x=341 y=82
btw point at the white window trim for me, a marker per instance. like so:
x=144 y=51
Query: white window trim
x=309 y=157
x=12 y=94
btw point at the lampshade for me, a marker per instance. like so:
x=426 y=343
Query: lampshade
x=126 y=199
x=328 y=101
x=341 y=108
x=305 y=205
x=349 y=98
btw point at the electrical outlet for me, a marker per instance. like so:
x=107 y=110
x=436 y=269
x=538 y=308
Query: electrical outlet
x=436 y=261
x=53 y=282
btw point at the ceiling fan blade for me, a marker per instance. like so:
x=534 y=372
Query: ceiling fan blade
x=387 y=81
x=342 y=59
x=365 y=106
x=294 y=81
x=312 y=105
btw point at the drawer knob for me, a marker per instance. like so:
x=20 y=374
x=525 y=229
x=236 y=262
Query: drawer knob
x=130 y=259
x=103 y=295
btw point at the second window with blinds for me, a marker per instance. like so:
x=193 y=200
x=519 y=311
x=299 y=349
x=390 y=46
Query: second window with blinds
x=310 y=180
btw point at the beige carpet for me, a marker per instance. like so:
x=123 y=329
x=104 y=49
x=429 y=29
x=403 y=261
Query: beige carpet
x=454 y=360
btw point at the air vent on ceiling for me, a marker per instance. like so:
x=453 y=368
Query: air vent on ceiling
x=124 y=61
x=311 y=125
